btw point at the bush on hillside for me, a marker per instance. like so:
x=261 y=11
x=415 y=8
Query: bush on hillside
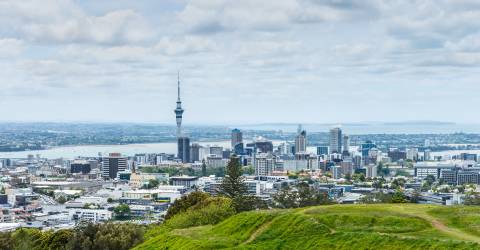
x=207 y=212
x=186 y=202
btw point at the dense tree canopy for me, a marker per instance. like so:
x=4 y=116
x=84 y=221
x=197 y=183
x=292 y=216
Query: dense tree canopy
x=302 y=195
x=86 y=236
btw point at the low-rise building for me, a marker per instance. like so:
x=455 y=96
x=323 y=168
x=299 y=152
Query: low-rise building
x=91 y=215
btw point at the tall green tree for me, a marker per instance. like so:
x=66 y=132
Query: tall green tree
x=204 y=168
x=233 y=185
x=399 y=197
x=122 y=212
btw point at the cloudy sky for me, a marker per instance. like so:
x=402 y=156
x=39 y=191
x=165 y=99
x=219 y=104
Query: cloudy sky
x=246 y=61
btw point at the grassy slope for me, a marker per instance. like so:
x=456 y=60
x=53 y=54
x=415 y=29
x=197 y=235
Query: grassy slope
x=385 y=226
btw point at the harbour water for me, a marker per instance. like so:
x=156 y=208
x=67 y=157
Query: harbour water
x=71 y=152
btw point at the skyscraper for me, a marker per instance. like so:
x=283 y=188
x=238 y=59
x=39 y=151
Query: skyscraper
x=335 y=140
x=237 y=137
x=301 y=140
x=184 y=149
x=322 y=150
x=179 y=111
x=113 y=164
x=365 y=147
x=346 y=145
x=195 y=152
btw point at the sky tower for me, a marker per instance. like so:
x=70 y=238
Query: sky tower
x=179 y=111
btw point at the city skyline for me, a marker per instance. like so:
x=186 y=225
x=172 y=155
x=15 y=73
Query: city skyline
x=305 y=62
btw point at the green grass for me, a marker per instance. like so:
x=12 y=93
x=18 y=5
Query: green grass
x=385 y=226
x=462 y=217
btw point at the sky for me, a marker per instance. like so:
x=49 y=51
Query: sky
x=249 y=61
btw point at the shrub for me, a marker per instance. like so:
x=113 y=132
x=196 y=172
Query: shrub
x=207 y=212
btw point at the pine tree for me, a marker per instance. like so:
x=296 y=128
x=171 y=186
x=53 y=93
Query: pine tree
x=233 y=185
x=204 y=168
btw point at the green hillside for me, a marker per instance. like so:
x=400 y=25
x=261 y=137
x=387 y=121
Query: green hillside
x=406 y=226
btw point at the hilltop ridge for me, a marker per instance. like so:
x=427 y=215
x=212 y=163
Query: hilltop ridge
x=405 y=226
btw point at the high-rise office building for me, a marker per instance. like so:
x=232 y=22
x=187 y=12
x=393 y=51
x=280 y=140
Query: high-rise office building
x=346 y=143
x=264 y=164
x=396 y=155
x=216 y=150
x=80 y=166
x=412 y=154
x=322 y=150
x=261 y=146
x=366 y=147
x=301 y=140
x=113 y=164
x=183 y=149
x=237 y=137
x=335 y=140
x=195 y=152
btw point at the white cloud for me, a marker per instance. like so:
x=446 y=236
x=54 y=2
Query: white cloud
x=467 y=43
x=184 y=46
x=216 y=16
x=10 y=47
x=239 y=55
x=62 y=21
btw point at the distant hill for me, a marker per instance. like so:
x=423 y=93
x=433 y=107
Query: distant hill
x=386 y=226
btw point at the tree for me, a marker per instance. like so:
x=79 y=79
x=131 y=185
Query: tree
x=25 y=238
x=110 y=236
x=378 y=183
x=233 y=187
x=415 y=196
x=122 y=212
x=308 y=196
x=398 y=183
x=204 y=168
x=6 y=241
x=109 y=200
x=399 y=197
x=56 y=240
x=382 y=170
x=360 y=177
x=302 y=196
x=378 y=197
x=152 y=183
x=429 y=180
x=249 y=170
x=285 y=198
x=62 y=199
x=348 y=177
x=472 y=199
x=185 y=202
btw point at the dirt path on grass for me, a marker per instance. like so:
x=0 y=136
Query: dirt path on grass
x=454 y=232
x=257 y=232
